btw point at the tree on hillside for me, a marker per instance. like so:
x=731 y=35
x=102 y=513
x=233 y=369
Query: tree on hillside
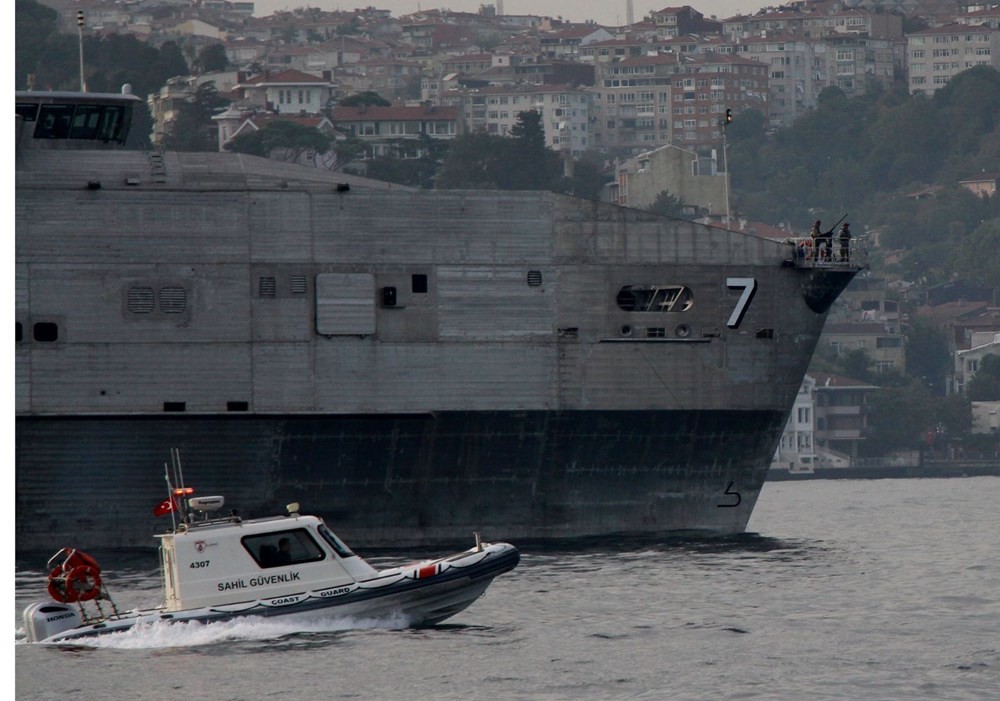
x=975 y=256
x=985 y=384
x=194 y=130
x=534 y=167
x=212 y=58
x=900 y=417
x=668 y=204
x=282 y=139
x=927 y=355
x=474 y=162
x=34 y=24
x=368 y=97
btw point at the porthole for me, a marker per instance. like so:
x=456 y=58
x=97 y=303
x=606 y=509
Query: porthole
x=625 y=330
x=682 y=331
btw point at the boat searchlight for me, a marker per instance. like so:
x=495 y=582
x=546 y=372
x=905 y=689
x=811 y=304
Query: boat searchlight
x=293 y=508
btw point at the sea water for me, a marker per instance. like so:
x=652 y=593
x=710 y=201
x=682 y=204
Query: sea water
x=881 y=589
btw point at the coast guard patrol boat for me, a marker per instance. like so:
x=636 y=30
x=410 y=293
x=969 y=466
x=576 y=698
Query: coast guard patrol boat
x=217 y=568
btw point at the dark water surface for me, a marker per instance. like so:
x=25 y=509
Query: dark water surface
x=885 y=589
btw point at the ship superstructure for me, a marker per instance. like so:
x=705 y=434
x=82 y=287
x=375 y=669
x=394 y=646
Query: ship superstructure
x=391 y=351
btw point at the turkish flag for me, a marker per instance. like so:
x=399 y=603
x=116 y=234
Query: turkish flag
x=164 y=507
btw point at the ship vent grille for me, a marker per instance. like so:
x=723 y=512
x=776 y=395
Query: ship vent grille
x=267 y=287
x=173 y=300
x=534 y=278
x=299 y=285
x=141 y=300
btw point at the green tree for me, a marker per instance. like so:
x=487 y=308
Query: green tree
x=474 y=162
x=898 y=417
x=193 y=129
x=975 y=256
x=532 y=166
x=212 y=58
x=368 y=97
x=985 y=384
x=348 y=150
x=927 y=355
x=668 y=205
x=282 y=139
x=34 y=24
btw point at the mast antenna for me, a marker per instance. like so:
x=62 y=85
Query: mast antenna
x=80 y=23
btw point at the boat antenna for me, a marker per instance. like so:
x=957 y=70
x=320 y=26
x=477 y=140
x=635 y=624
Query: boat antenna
x=180 y=491
x=170 y=496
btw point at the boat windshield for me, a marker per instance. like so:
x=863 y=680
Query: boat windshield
x=336 y=543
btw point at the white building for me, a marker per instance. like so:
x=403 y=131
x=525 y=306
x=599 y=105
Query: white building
x=565 y=113
x=797 y=449
x=967 y=361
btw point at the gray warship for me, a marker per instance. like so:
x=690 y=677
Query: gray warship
x=413 y=365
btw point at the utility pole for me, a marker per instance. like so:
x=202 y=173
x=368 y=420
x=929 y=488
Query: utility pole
x=80 y=24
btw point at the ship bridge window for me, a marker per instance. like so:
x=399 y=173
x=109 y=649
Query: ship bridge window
x=88 y=122
x=281 y=548
x=655 y=298
x=27 y=111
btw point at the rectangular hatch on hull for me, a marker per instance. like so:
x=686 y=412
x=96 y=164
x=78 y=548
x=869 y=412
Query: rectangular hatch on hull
x=345 y=304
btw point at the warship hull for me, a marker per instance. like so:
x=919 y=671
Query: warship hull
x=419 y=479
x=382 y=355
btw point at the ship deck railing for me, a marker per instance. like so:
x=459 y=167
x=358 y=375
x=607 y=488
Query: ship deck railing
x=806 y=253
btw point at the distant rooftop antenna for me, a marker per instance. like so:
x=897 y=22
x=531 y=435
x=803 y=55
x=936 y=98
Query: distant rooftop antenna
x=629 y=12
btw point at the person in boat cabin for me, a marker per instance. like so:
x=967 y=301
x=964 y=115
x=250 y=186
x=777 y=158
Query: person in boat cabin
x=844 y=236
x=284 y=554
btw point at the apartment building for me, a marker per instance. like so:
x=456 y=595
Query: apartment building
x=648 y=101
x=565 y=110
x=936 y=55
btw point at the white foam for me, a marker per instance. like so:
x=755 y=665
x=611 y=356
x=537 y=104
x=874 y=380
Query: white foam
x=166 y=634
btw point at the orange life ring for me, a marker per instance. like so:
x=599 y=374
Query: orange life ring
x=86 y=585
x=84 y=582
x=57 y=587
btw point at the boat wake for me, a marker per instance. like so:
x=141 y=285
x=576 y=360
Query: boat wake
x=178 y=634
